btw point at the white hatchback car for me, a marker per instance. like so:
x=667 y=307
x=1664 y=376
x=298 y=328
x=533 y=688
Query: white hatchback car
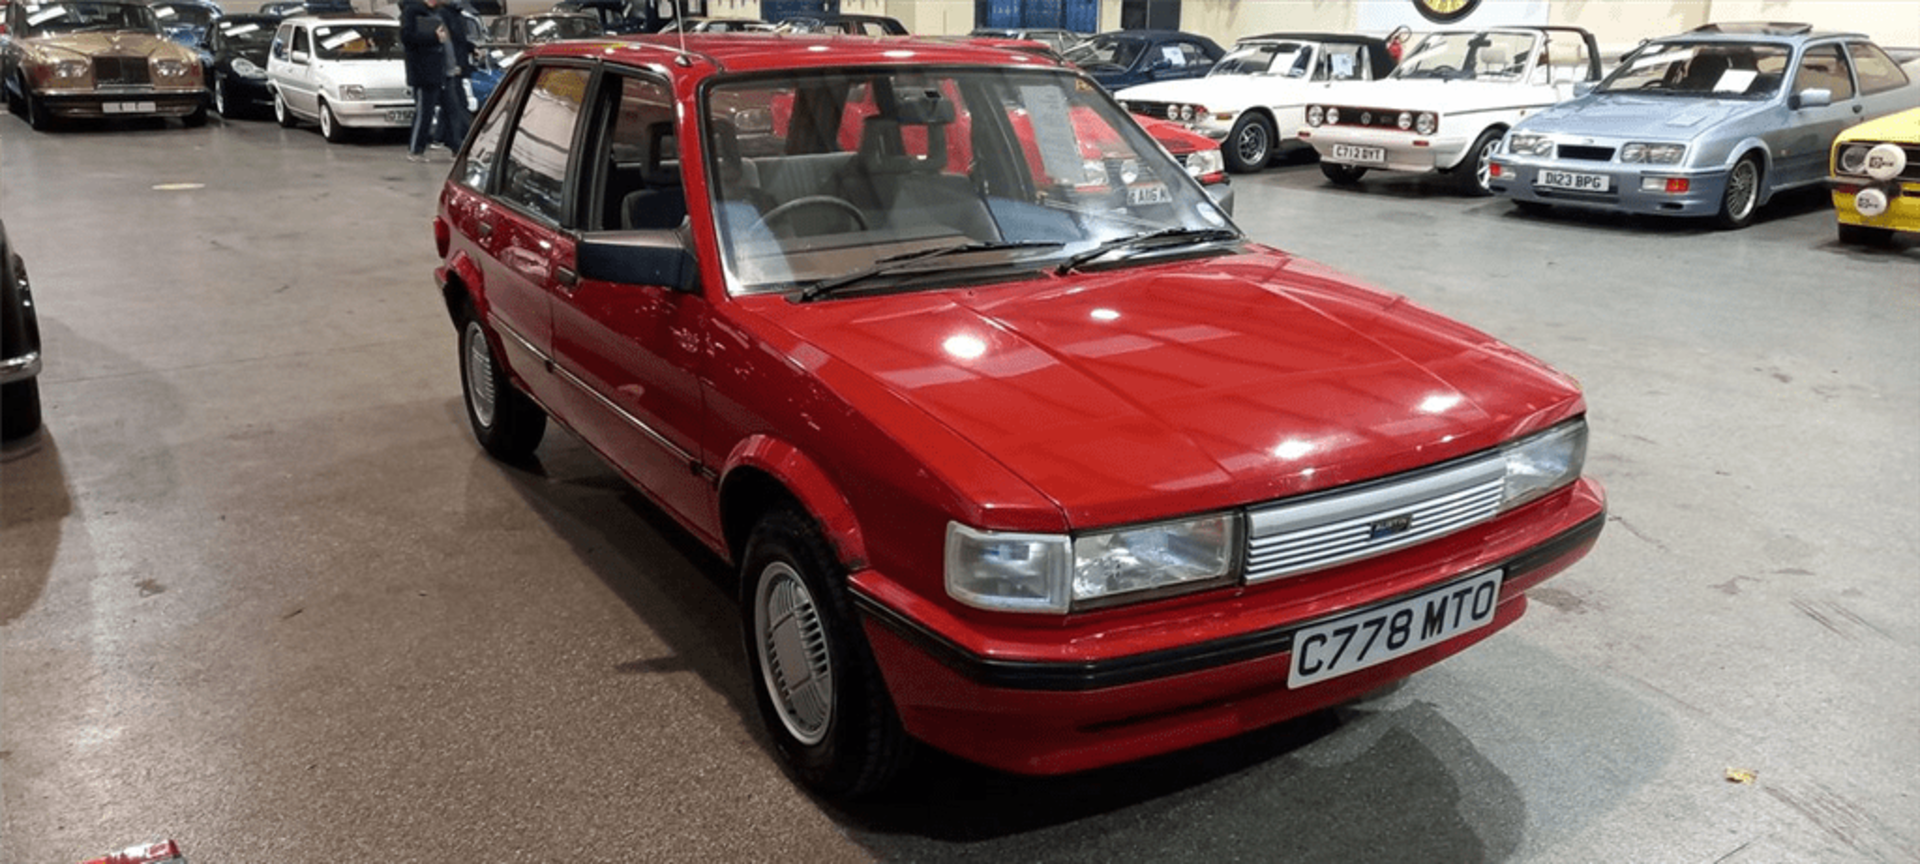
x=1449 y=102
x=341 y=72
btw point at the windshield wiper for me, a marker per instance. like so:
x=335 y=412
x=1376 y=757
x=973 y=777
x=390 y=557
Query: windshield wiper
x=1161 y=239
x=896 y=263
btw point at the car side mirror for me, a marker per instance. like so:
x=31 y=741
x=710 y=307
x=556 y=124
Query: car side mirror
x=1582 y=88
x=298 y=57
x=1818 y=97
x=639 y=258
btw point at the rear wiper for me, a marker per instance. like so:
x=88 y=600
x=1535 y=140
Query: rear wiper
x=896 y=263
x=1163 y=238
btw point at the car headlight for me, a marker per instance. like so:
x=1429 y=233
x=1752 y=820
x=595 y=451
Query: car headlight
x=1885 y=161
x=245 y=68
x=1054 y=573
x=1544 y=462
x=1203 y=162
x=353 y=92
x=168 y=69
x=1316 y=115
x=1426 y=123
x=1333 y=116
x=1405 y=120
x=1524 y=144
x=1653 y=154
x=1129 y=171
x=68 y=70
x=1093 y=172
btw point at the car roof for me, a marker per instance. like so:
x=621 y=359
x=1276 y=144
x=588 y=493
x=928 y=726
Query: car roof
x=753 y=52
x=1748 y=37
x=342 y=18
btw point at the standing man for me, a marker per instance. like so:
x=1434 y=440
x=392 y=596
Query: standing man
x=428 y=43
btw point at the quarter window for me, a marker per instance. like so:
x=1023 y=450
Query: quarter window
x=1822 y=67
x=1878 y=73
x=534 y=173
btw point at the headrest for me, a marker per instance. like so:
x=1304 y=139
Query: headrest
x=882 y=150
x=921 y=107
x=663 y=155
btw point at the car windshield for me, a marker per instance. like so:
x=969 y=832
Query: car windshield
x=1713 y=69
x=1110 y=51
x=831 y=177
x=54 y=19
x=562 y=27
x=358 y=42
x=183 y=15
x=1480 y=56
x=1291 y=59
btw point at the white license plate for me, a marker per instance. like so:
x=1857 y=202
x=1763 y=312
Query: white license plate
x=1374 y=636
x=400 y=115
x=1571 y=180
x=127 y=108
x=1356 y=153
x=1154 y=194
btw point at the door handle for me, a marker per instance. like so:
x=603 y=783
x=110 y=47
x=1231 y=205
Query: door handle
x=567 y=278
x=484 y=229
x=1859 y=108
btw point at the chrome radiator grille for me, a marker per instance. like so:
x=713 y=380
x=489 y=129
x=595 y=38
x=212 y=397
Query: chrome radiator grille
x=1290 y=538
x=121 y=72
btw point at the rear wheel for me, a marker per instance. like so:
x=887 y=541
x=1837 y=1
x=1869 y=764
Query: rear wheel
x=1345 y=175
x=1249 y=147
x=1742 y=197
x=505 y=421
x=819 y=690
x=1473 y=176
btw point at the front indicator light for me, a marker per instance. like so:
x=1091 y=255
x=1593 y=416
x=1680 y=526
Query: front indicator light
x=1544 y=462
x=1668 y=185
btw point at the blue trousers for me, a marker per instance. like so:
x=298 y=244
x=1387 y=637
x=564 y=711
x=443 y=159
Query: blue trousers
x=449 y=100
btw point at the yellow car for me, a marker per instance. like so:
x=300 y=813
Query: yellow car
x=1875 y=172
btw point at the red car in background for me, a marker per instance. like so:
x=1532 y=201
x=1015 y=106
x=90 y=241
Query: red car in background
x=1020 y=448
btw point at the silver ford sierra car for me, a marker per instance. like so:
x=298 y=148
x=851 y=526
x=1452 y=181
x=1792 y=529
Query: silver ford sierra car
x=1711 y=123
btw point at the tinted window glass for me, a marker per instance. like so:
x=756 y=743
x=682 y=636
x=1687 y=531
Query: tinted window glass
x=486 y=142
x=535 y=170
x=1823 y=67
x=1878 y=73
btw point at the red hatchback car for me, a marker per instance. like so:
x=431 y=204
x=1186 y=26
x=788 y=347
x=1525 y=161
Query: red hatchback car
x=1021 y=448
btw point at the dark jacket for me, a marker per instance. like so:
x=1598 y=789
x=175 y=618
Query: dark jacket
x=426 y=55
x=463 y=47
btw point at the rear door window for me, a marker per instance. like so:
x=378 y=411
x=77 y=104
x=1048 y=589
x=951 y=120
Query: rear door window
x=539 y=152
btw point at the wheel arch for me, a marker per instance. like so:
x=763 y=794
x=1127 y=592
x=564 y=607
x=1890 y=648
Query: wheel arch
x=1758 y=149
x=1500 y=130
x=764 y=472
x=460 y=285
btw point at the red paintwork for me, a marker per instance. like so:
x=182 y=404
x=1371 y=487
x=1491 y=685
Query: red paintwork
x=1172 y=400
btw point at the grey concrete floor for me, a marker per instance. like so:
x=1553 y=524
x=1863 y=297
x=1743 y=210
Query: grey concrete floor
x=261 y=593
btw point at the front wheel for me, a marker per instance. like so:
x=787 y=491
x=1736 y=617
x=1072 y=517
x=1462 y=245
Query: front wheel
x=1344 y=175
x=196 y=118
x=220 y=104
x=1474 y=175
x=505 y=421
x=19 y=409
x=819 y=690
x=1742 y=197
x=1249 y=147
x=330 y=127
x=281 y=113
x=39 y=116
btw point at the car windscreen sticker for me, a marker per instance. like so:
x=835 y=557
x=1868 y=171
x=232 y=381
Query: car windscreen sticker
x=44 y=15
x=1735 y=80
x=164 y=12
x=332 y=41
x=1658 y=57
x=541 y=28
x=1171 y=54
x=241 y=29
x=1059 y=152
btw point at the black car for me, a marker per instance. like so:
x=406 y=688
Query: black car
x=19 y=348
x=235 y=54
x=616 y=16
x=1124 y=58
x=857 y=25
x=290 y=8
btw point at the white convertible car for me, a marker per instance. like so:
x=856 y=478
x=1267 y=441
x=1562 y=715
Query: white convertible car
x=1449 y=102
x=1254 y=100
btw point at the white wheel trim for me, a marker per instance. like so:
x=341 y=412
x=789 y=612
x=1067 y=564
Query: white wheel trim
x=481 y=398
x=1483 y=164
x=791 y=640
x=326 y=122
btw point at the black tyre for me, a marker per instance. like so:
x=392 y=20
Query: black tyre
x=1742 y=197
x=39 y=116
x=819 y=690
x=1533 y=208
x=1473 y=175
x=1864 y=235
x=1249 y=147
x=198 y=118
x=1345 y=175
x=505 y=421
x=15 y=104
x=281 y=113
x=220 y=104
x=330 y=127
x=19 y=409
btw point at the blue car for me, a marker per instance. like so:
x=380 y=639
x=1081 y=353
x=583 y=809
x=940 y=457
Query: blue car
x=185 y=22
x=1709 y=123
x=1124 y=58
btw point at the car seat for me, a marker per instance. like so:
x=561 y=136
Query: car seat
x=661 y=204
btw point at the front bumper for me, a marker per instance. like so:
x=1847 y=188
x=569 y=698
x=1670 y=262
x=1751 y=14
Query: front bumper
x=1903 y=204
x=131 y=103
x=384 y=114
x=21 y=368
x=1405 y=151
x=1041 y=701
x=1627 y=189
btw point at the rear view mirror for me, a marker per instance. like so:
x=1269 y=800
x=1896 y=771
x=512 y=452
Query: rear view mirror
x=639 y=258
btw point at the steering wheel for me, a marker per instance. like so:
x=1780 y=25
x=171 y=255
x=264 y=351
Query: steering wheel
x=784 y=212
